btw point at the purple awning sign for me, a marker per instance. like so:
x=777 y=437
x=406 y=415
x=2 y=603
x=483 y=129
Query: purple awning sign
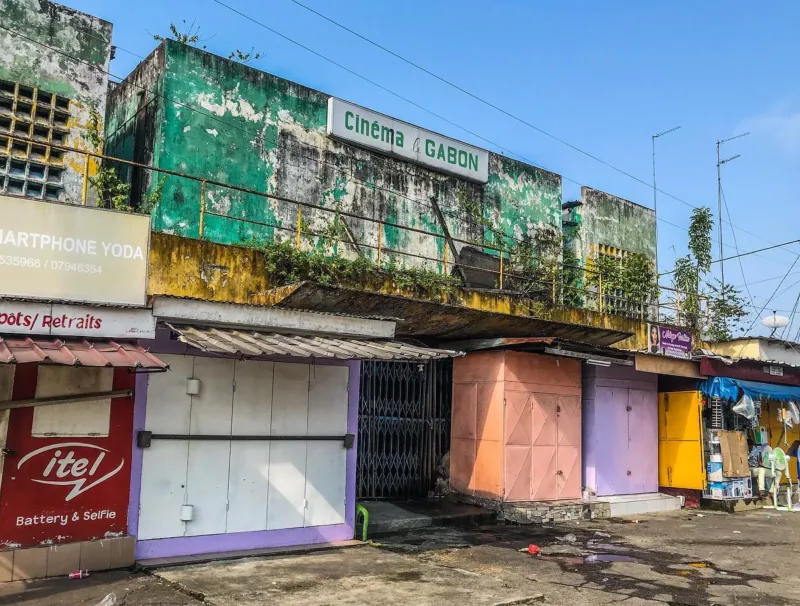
x=668 y=341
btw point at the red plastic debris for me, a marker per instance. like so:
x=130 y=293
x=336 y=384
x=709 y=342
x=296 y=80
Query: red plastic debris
x=534 y=550
x=79 y=574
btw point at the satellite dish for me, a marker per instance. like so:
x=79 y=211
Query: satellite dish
x=775 y=321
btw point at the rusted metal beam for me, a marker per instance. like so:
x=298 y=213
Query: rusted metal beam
x=448 y=239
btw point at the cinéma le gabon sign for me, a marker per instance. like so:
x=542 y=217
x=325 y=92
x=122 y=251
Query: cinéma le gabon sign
x=366 y=128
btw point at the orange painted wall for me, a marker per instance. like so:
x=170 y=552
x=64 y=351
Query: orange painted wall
x=503 y=439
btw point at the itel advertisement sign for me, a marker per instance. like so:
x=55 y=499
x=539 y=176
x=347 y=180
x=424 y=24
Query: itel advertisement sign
x=59 y=489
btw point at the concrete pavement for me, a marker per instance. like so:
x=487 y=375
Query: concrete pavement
x=681 y=558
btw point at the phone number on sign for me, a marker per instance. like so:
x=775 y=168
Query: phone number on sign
x=81 y=268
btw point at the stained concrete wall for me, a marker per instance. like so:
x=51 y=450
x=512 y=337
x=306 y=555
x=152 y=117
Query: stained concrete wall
x=605 y=219
x=63 y=52
x=225 y=121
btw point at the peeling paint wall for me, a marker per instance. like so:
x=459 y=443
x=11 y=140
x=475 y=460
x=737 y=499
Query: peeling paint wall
x=607 y=220
x=225 y=121
x=63 y=52
x=133 y=122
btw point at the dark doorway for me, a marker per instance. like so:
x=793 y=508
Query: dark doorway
x=403 y=427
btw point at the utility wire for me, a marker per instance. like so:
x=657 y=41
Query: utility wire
x=489 y=104
x=736 y=245
x=259 y=135
x=452 y=123
x=752 y=252
x=787 y=330
x=749 y=328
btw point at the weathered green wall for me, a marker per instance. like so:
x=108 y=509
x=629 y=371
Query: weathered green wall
x=237 y=125
x=605 y=219
x=134 y=122
x=59 y=27
x=65 y=52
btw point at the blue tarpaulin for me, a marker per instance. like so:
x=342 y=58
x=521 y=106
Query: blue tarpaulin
x=728 y=389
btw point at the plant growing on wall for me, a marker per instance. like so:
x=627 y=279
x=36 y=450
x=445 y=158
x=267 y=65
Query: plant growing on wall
x=536 y=267
x=112 y=191
x=190 y=36
x=625 y=285
x=726 y=313
x=473 y=212
x=243 y=57
x=285 y=264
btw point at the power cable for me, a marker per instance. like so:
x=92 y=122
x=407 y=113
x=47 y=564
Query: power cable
x=749 y=328
x=487 y=103
x=452 y=123
x=260 y=136
x=736 y=245
x=787 y=330
x=256 y=134
x=752 y=252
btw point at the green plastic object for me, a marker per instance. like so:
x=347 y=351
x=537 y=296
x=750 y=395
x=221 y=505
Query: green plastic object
x=362 y=511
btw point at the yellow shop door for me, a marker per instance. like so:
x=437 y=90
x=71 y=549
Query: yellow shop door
x=680 y=440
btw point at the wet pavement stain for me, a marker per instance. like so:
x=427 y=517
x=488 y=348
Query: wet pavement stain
x=599 y=558
x=598 y=563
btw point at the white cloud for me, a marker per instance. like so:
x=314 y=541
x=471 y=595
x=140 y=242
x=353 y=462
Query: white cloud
x=781 y=124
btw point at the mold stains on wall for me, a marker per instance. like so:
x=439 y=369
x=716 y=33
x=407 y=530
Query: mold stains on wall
x=65 y=52
x=608 y=220
x=241 y=126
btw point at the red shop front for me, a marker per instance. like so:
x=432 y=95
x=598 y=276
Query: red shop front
x=66 y=431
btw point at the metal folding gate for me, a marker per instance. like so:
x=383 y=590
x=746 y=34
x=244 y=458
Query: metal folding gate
x=403 y=427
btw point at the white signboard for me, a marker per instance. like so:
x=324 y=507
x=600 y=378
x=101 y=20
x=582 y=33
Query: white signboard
x=376 y=131
x=65 y=252
x=76 y=321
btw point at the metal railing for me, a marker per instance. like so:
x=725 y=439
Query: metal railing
x=557 y=291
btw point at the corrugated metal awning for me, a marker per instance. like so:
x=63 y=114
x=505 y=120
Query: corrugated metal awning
x=77 y=352
x=253 y=343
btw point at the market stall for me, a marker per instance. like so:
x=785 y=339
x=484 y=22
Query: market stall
x=752 y=432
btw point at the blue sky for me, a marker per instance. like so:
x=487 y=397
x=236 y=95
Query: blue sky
x=603 y=76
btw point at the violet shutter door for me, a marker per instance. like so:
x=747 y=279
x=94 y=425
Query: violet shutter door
x=643 y=441
x=611 y=435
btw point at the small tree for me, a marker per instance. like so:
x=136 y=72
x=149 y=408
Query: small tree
x=725 y=306
x=536 y=261
x=727 y=311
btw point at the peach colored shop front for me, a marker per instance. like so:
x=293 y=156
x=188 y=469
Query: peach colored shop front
x=516 y=429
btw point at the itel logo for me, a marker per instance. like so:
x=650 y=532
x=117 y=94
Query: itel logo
x=70 y=464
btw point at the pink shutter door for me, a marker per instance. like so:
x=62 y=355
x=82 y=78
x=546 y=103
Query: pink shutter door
x=543 y=449
x=568 y=449
x=517 y=460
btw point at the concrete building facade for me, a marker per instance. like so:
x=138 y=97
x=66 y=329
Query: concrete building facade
x=603 y=224
x=53 y=88
x=187 y=110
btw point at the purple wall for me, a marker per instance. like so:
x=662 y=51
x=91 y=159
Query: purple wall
x=180 y=546
x=620 y=446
